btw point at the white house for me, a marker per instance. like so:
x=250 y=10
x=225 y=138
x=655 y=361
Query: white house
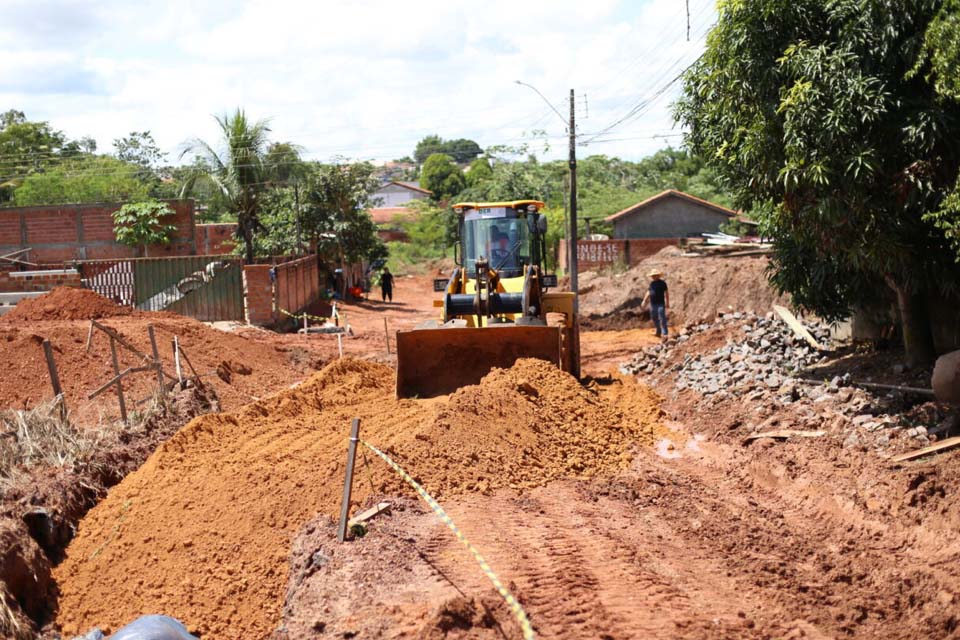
x=397 y=194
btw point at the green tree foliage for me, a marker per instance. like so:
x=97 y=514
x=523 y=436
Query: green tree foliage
x=442 y=176
x=479 y=171
x=810 y=111
x=461 y=150
x=238 y=172
x=141 y=224
x=25 y=148
x=83 y=179
x=139 y=148
x=335 y=210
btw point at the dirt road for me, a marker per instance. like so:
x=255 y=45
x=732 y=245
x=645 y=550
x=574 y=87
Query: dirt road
x=711 y=541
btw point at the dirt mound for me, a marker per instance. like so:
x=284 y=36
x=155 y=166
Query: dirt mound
x=65 y=303
x=256 y=368
x=700 y=287
x=202 y=531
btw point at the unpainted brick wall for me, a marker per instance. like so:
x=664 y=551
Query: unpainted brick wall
x=61 y=233
x=297 y=284
x=216 y=239
x=15 y=282
x=258 y=293
x=600 y=254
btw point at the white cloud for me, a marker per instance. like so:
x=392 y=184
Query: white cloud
x=363 y=79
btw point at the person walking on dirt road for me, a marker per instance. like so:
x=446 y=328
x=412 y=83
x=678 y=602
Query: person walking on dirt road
x=659 y=298
x=386 y=285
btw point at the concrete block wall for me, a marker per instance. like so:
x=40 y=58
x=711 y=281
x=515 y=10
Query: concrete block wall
x=62 y=233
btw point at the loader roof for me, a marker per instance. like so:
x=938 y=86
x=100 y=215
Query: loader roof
x=515 y=204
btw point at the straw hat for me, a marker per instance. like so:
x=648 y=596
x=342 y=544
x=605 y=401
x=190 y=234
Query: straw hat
x=654 y=272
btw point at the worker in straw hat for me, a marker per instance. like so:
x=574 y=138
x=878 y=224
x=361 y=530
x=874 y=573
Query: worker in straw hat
x=659 y=298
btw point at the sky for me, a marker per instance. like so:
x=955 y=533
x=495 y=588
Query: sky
x=362 y=80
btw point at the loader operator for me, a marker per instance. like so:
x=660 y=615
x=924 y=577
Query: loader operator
x=501 y=249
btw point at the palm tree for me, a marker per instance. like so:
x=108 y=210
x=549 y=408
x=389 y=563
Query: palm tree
x=238 y=172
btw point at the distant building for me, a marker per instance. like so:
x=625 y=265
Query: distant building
x=397 y=194
x=670 y=214
x=393 y=198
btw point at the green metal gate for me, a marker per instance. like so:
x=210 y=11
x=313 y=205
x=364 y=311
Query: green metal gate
x=208 y=288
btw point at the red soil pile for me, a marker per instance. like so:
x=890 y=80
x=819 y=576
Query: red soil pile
x=260 y=368
x=700 y=287
x=202 y=531
x=65 y=303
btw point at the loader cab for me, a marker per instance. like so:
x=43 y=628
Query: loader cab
x=500 y=233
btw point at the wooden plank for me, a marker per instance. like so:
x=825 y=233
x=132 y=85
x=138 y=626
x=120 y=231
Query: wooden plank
x=369 y=514
x=116 y=336
x=113 y=381
x=783 y=434
x=116 y=371
x=797 y=328
x=943 y=445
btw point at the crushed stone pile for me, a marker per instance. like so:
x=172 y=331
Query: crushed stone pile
x=202 y=531
x=701 y=287
x=763 y=353
x=65 y=303
x=743 y=357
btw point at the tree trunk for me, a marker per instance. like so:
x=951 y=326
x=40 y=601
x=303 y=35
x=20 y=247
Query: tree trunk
x=915 y=324
x=247 y=231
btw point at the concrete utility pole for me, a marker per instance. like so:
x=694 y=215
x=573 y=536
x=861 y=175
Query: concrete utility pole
x=572 y=227
x=572 y=235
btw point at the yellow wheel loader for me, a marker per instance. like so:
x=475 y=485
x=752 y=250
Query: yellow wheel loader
x=496 y=306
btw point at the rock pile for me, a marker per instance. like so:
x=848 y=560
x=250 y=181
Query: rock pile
x=762 y=362
x=761 y=356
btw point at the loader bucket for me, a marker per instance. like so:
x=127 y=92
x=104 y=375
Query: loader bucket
x=433 y=362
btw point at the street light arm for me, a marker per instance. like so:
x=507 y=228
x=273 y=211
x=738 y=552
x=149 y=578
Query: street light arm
x=559 y=115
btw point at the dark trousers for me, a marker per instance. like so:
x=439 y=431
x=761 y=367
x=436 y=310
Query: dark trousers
x=387 y=293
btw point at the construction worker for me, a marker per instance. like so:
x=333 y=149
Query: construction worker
x=659 y=298
x=386 y=285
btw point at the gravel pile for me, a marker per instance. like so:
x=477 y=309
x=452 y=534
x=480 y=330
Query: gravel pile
x=762 y=356
x=762 y=363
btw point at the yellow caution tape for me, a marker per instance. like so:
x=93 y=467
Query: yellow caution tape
x=511 y=601
x=299 y=316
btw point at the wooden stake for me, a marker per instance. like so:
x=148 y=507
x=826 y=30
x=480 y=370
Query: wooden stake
x=116 y=372
x=386 y=332
x=176 y=360
x=943 y=445
x=304 y=324
x=89 y=336
x=190 y=364
x=348 y=480
x=156 y=359
x=55 y=378
x=340 y=344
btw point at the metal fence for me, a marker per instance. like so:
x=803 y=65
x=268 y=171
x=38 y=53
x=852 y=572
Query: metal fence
x=208 y=288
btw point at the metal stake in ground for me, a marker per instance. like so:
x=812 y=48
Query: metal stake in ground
x=116 y=372
x=348 y=481
x=176 y=360
x=55 y=378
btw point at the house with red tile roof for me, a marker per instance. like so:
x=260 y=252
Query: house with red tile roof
x=391 y=210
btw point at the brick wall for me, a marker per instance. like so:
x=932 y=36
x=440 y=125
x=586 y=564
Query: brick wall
x=600 y=254
x=216 y=238
x=258 y=294
x=297 y=284
x=60 y=233
x=19 y=281
x=295 y=287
